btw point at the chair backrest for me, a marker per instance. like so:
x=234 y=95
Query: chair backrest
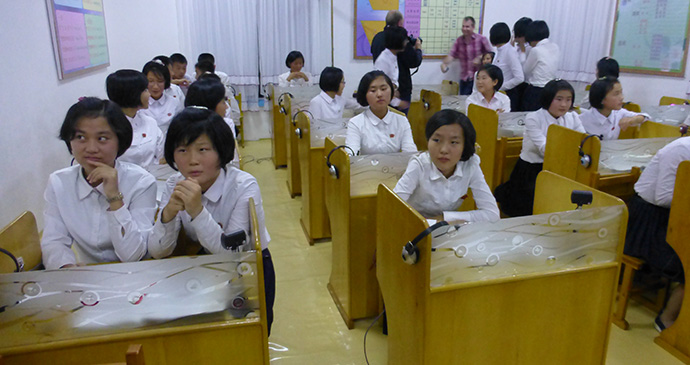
x=20 y=238
x=562 y=157
x=669 y=100
x=635 y=108
x=451 y=87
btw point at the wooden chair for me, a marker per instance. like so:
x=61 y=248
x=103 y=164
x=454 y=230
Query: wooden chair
x=670 y=100
x=21 y=239
x=560 y=315
x=238 y=97
x=674 y=339
x=419 y=113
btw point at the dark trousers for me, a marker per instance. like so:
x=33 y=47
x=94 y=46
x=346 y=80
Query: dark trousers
x=466 y=87
x=531 y=98
x=269 y=286
x=515 y=95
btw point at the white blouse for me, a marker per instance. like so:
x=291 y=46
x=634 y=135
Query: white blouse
x=541 y=64
x=606 y=127
x=176 y=92
x=388 y=63
x=283 y=81
x=226 y=210
x=323 y=106
x=367 y=134
x=147 y=142
x=163 y=110
x=77 y=214
x=659 y=177
x=508 y=61
x=536 y=126
x=498 y=102
x=425 y=188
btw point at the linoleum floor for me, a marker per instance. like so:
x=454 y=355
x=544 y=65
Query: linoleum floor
x=308 y=328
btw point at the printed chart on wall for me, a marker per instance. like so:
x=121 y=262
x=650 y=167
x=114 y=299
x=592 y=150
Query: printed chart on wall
x=79 y=37
x=651 y=36
x=437 y=22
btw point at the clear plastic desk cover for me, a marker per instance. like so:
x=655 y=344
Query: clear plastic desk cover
x=621 y=155
x=580 y=92
x=46 y=306
x=511 y=124
x=298 y=92
x=368 y=171
x=525 y=245
x=667 y=114
x=437 y=88
x=455 y=102
x=335 y=129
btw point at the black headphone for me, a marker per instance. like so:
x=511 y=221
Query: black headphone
x=426 y=104
x=410 y=252
x=585 y=159
x=298 y=131
x=683 y=129
x=280 y=102
x=332 y=170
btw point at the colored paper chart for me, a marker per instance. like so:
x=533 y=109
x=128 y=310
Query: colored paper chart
x=650 y=36
x=437 y=22
x=81 y=39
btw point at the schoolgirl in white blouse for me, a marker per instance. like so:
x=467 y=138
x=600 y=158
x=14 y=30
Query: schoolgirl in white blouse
x=489 y=79
x=295 y=77
x=162 y=106
x=378 y=130
x=101 y=207
x=129 y=90
x=330 y=103
x=508 y=61
x=436 y=182
x=607 y=118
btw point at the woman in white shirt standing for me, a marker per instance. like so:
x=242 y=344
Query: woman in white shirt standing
x=378 y=130
x=330 y=103
x=541 y=64
x=489 y=80
x=104 y=207
x=508 y=61
x=436 y=182
x=295 y=77
x=396 y=41
x=162 y=106
x=516 y=196
x=607 y=118
x=129 y=90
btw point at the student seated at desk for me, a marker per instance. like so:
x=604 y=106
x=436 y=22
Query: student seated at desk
x=378 y=130
x=129 y=90
x=162 y=106
x=202 y=68
x=648 y=223
x=179 y=77
x=174 y=90
x=295 y=77
x=607 y=118
x=207 y=197
x=436 y=182
x=606 y=67
x=516 y=196
x=102 y=206
x=330 y=103
x=489 y=80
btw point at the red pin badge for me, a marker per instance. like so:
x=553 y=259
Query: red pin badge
x=143 y=135
x=169 y=114
x=392 y=135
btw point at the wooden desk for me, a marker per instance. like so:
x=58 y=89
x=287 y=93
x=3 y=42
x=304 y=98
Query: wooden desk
x=313 y=170
x=522 y=315
x=351 y=204
x=674 y=339
x=179 y=309
x=419 y=114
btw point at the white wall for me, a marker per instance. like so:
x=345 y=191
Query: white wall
x=33 y=102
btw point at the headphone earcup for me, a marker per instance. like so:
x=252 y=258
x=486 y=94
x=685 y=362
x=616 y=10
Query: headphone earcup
x=410 y=253
x=333 y=171
x=585 y=160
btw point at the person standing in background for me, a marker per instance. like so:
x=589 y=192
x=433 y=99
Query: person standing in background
x=468 y=49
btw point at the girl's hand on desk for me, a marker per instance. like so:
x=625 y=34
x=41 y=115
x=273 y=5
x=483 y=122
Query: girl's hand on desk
x=189 y=192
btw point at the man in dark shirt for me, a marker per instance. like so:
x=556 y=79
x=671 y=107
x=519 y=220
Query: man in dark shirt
x=410 y=57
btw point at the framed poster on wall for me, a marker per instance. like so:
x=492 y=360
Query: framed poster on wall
x=80 y=42
x=651 y=36
x=437 y=22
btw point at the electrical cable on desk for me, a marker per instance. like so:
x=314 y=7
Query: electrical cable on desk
x=17 y=265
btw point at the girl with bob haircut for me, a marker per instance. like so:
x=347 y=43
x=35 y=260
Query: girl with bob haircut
x=378 y=130
x=174 y=90
x=129 y=90
x=207 y=197
x=295 y=77
x=508 y=61
x=162 y=106
x=330 y=103
x=606 y=67
x=104 y=207
x=541 y=64
x=516 y=196
x=489 y=80
x=607 y=118
x=436 y=182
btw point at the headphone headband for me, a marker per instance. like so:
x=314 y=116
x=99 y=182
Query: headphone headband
x=410 y=253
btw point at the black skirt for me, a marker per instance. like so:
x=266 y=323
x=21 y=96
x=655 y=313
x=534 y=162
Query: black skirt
x=516 y=196
x=646 y=239
x=531 y=99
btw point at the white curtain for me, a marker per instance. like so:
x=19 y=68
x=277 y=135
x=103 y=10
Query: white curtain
x=582 y=30
x=251 y=38
x=287 y=25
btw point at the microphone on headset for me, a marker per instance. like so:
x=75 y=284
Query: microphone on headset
x=332 y=170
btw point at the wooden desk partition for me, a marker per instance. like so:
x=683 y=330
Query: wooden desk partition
x=561 y=314
x=674 y=339
x=294 y=182
x=45 y=332
x=670 y=100
x=20 y=237
x=278 y=144
x=420 y=112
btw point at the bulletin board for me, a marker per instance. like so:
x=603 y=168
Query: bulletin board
x=651 y=36
x=80 y=42
x=437 y=22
